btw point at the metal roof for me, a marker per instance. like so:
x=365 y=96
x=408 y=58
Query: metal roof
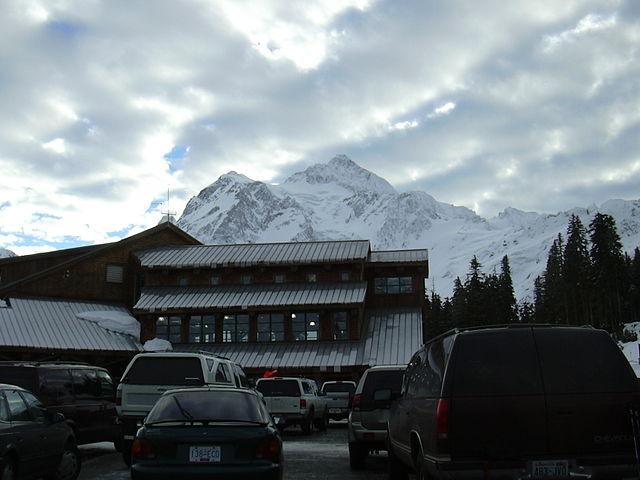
x=202 y=256
x=154 y=299
x=47 y=323
x=400 y=256
x=390 y=337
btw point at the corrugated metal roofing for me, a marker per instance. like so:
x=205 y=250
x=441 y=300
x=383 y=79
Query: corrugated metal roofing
x=390 y=337
x=154 y=299
x=400 y=256
x=52 y=324
x=202 y=256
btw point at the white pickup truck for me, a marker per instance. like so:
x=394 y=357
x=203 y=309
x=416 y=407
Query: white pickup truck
x=339 y=395
x=294 y=401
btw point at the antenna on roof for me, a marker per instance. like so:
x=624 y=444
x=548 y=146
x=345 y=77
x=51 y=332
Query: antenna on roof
x=170 y=216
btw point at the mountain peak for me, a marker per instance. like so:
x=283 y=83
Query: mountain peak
x=343 y=171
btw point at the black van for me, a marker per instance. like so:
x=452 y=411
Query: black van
x=83 y=393
x=525 y=401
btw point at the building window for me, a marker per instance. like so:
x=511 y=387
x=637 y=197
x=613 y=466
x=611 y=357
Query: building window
x=344 y=276
x=278 y=278
x=214 y=280
x=393 y=285
x=246 y=279
x=305 y=326
x=312 y=277
x=168 y=328
x=202 y=329
x=235 y=328
x=339 y=326
x=115 y=273
x=271 y=327
x=183 y=281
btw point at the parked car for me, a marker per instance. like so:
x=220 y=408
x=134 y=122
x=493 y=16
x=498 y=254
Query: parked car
x=34 y=442
x=83 y=393
x=368 y=417
x=339 y=395
x=149 y=375
x=294 y=401
x=212 y=432
x=520 y=401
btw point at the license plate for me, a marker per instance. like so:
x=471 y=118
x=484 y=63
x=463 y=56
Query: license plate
x=549 y=468
x=335 y=410
x=204 y=454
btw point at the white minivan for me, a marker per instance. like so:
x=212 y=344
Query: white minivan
x=149 y=375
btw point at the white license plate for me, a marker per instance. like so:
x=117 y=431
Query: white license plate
x=204 y=454
x=335 y=410
x=549 y=468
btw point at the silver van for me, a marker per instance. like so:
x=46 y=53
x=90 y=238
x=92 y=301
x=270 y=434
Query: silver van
x=370 y=410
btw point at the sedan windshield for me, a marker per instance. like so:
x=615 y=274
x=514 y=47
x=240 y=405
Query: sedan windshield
x=219 y=406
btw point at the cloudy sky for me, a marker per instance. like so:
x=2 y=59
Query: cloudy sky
x=533 y=104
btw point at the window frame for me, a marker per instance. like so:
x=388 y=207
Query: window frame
x=275 y=335
x=211 y=330
x=302 y=318
x=233 y=336
x=114 y=273
x=171 y=333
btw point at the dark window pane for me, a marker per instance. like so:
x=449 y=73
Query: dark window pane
x=340 y=387
x=165 y=371
x=18 y=411
x=56 y=386
x=497 y=363
x=278 y=388
x=377 y=380
x=4 y=410
x=35 y=407
x=25 y=377
x=85 y=384
x=107 y=387
x=582 y=361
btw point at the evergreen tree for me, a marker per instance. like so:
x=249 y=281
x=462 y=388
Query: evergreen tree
x=539 y=311
x=634 y=286
x=609 y=274
x=552 y=292
x=576 y=275
x=475 y=292
x=506 y=298
x=526 y=313
x=459 y=313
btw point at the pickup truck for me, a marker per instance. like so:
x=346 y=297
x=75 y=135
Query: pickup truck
x=294 y=401
x=339 y=395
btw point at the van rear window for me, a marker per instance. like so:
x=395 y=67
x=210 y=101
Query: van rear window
x=380 y=380
x=165 y=371
x=24 y=377
x=496 y=363
x=279 y=388
x=582 y=361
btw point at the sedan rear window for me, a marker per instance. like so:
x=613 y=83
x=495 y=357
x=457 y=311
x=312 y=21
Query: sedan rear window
x=221 y=406
x=279 y=388
x=165 y=371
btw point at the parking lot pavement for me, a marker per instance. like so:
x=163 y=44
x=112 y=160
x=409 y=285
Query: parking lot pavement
x=320 y=456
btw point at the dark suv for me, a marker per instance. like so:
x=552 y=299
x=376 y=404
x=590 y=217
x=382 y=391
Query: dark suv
x=515 y=402
x=83 y=393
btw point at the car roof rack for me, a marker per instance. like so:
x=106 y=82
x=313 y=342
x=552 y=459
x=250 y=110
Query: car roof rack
x=455 y=330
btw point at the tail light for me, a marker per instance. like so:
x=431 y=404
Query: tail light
x=442 y=424
x=303 y=403
x=142 y=449
x=355 y=404
x=269 y=450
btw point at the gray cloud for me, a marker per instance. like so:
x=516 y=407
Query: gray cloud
x=529 y=104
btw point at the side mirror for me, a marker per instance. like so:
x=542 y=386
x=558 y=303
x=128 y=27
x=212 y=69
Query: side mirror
x=56 y=417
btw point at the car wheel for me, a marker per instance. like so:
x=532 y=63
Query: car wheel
x=69 y=466
x=9 y=472
x=324 y=423
x=357 y=456
x=396 y=469
x=421 y=470
x=307 y=426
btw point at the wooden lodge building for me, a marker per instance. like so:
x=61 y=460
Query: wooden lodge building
x=326 y=309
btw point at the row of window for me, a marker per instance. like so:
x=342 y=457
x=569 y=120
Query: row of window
x=248 y=279
x=270 y=327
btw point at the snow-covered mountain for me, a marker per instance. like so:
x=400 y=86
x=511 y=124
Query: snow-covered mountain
x=6 y=253
x=340 y=200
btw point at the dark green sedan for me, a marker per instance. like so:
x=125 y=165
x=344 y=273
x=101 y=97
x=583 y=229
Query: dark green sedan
x=212 y=432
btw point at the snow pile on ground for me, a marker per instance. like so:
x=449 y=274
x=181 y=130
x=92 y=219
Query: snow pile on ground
x=632 y=349
x=114 y=321
x=157 y=345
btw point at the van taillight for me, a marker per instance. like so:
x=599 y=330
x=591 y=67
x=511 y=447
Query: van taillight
x=442 y=424
x=303 y=403
x=355 y=404
x=118 y=398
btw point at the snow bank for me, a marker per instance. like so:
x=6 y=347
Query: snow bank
x=114 y=321
x=157 y=345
